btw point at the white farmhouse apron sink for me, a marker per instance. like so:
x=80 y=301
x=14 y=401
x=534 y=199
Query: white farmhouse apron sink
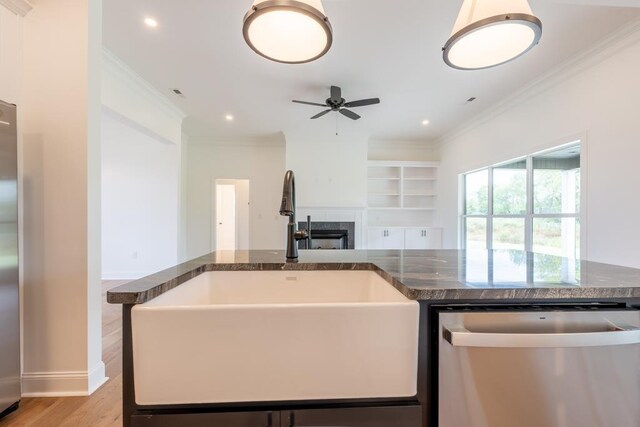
x=251 y=336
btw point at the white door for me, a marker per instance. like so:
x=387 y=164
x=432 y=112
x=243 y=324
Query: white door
x=225 y=217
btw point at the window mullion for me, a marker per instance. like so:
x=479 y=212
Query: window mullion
x=462 y=240
x=490 y=211
x=528 y=222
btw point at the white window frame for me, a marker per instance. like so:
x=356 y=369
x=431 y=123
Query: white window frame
x=529 y=216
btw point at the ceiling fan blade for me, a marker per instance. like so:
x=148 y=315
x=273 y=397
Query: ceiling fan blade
x=362 y=102
x=309 y=103
x=336 y=94
x=349 y=113
x=321 y=114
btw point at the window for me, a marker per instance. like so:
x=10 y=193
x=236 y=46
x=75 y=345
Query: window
x=528 y=204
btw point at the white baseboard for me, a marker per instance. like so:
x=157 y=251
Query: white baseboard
x=96 y=377
x=63 y=384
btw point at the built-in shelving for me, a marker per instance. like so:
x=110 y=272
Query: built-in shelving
x=384 y=183
x=403 y=187
x=401 y=195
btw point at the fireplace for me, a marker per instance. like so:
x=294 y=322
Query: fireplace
x=329 y=235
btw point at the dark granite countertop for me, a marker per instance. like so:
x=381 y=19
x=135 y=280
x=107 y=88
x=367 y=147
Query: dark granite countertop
x=421 y=275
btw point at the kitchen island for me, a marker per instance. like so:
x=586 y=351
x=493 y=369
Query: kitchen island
x=421 y=275
x=435 y=278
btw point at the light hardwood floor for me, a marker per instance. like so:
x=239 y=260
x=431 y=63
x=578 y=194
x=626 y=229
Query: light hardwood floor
x=104 y=407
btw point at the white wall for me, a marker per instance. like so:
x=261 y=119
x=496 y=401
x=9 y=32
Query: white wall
x=184 y=188
x=60 y=104
x=140 y=200
x=142 y=156
x=402 y=150
x=128 y=94
x=598 y=97
x=10 y=55
x=262 y=163
x=330 y=170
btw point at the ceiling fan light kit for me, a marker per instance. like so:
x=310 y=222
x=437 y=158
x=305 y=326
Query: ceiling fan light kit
x=488 y=33
x=288 y=31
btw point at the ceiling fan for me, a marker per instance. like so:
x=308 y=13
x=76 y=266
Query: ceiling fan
x=337 y=103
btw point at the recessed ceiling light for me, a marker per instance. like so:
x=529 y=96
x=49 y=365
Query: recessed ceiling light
x=150 y=22
x=288 y=31
x=425 y=122
x=228 y=118
x=490 y=33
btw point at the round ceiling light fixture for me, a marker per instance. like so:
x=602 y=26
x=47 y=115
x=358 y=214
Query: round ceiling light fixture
x=288 y=31
x=491 y=32
x=150 y=22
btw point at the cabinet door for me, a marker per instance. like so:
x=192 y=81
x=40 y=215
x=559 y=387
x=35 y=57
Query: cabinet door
x=387 y=416
x=376 y=238
x=415 y=238
x=423 y=238
x=386 y=238
x=434 y=238
x=222 y=419
x=394 y=238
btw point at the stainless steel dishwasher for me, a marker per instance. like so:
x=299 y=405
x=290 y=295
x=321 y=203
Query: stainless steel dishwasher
x=539 y=367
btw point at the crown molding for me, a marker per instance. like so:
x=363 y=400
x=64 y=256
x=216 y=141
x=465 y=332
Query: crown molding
x=615 y=42
x=258 y=141
x=19 y=7
x=128 y=121
x=402 y=143
x=606 y=3
x=117 y=68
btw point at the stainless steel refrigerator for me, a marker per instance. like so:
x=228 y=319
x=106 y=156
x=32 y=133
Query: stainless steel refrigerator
x=9 y=291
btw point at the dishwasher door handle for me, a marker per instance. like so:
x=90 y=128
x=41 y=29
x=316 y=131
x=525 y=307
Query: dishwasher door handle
x=461 y=337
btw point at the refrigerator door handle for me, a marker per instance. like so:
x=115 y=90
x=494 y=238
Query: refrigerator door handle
x=459 y=336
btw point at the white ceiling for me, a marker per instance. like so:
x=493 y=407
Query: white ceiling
x=382 y=48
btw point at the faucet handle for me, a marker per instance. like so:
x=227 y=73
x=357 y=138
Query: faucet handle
x=301 y=235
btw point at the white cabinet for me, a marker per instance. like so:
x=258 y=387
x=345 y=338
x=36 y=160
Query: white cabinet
x=386 y=238
x=422 y=238
x=404 y=238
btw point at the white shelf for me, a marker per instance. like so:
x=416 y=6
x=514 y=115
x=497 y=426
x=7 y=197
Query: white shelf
x=402 y=194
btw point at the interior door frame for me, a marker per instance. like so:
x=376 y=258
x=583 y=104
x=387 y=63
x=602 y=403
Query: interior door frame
x=213 y=212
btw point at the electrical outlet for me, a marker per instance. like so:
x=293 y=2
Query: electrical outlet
x=134 y=255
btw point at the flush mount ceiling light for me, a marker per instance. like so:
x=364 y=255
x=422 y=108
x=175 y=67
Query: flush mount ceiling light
x=491 y=32
x=150 y=22
x=288 y=31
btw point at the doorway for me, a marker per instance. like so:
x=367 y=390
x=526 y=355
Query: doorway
x=231 y=219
